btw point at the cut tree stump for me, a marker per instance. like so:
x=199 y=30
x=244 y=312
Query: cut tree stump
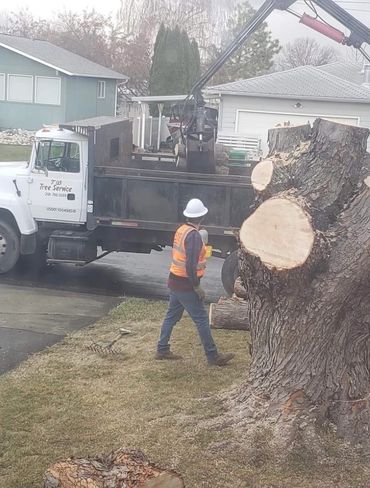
x=120 y=469
x=287 y=139
x=229 y=313
x=305 y=270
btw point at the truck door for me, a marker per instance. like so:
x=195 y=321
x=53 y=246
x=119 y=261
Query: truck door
x=56 y=183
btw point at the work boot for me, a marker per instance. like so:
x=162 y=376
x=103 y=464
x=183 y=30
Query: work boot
x=221 y=359
x=167 y=355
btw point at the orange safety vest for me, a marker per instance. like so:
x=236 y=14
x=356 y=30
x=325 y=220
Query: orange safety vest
x=178 y=266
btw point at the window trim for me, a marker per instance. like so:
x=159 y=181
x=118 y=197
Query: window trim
x=3 y=94
x=8 y=90
x=103 y=84
x=60 y=90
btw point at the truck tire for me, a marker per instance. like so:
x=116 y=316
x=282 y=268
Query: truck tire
x=230 y=272
x=9 y=247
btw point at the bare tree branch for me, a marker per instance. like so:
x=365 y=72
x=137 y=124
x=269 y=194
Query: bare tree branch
x=305 y=51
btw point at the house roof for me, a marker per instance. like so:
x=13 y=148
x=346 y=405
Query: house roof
x=346 y=71
x=57 y=58
x=304 y=82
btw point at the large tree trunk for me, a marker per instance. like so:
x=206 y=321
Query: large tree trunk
x=121 y=469
x=305 y=267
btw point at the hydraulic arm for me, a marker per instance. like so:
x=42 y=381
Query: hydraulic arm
x=199 y=130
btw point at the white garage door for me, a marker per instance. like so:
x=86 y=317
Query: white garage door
x=258 y=123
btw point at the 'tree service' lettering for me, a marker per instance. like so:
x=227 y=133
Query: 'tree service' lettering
x=55 y=185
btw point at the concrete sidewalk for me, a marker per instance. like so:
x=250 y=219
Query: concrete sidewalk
x=34 y=318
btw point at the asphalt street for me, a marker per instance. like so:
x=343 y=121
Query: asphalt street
x=38 y=308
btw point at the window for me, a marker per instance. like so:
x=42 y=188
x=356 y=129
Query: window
x=20 y=88
x=101 y=89
x=2 y=86
x=58 y=156
x=47 y=90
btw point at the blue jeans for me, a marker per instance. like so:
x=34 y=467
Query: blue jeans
x=189 y=301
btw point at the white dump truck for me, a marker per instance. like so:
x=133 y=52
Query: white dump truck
x=84 y=194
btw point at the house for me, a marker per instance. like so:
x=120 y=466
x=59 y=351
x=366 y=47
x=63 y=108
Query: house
x=41 y=83
x=337 y=92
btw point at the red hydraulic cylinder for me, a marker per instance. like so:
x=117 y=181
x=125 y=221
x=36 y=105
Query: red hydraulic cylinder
x=325 y=29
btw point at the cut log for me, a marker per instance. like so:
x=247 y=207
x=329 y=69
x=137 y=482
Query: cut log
x=120 y=469
x=229 y=313
x=280 y=233
x=272 y=176
x=262 y=174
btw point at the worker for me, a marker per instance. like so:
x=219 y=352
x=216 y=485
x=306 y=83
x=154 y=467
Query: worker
x=187 y=269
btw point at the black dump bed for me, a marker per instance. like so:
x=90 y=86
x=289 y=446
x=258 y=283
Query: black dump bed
x=155 y=199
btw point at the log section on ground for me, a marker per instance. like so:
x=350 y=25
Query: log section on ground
x=120 y=469
x=229 y=313
x=305 y=270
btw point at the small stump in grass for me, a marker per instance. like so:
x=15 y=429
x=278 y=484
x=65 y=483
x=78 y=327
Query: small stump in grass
x=121 y=469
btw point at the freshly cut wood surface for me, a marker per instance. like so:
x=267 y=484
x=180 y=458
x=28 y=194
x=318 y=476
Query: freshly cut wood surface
x=367 y=181
x=262 y=174
x=280 y=233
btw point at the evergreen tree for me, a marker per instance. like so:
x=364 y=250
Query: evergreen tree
x=195 y=70
x=175 y=64
x=256 y=55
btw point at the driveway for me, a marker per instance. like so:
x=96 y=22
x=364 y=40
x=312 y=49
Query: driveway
x=37 y=309
x=34 y=318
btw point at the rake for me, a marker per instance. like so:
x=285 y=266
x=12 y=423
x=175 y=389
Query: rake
x=108 y=347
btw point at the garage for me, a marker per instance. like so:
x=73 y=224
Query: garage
x=258 y=123
x=336 y=92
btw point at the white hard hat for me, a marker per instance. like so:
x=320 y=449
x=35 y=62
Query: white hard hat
x=195 y=209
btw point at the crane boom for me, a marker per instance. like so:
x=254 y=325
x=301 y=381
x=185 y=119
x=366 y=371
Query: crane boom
x=199 y=132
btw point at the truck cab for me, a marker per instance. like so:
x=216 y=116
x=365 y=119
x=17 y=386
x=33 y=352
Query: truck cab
x=57 y=176
x=50 y=187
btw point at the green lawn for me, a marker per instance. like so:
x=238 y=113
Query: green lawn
x=12 y=152
x=70 y=401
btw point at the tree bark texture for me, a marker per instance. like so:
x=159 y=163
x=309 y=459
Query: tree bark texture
x=310 y=324
x=120 y=469
x=287 y=139
x=239 y=289
x=229 y=313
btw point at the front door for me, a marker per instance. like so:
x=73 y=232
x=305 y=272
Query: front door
x=56 y=184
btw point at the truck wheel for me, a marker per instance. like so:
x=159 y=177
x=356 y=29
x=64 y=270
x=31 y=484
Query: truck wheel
x=230 y=272
x=9 y=247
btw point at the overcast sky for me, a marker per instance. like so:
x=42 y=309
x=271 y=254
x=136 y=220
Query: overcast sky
x=283 y=25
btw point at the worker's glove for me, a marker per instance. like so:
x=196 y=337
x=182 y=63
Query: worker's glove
x=200 y=292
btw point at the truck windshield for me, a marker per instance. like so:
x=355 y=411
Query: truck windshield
x=58 y=156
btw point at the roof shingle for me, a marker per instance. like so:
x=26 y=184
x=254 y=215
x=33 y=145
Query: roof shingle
x=346 y=71
x=304 y=82
x=58 y=58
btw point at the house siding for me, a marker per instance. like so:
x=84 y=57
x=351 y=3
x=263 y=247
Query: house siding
x=78 y=96
x=82 y=98
x=28 y=115
x=230 y=104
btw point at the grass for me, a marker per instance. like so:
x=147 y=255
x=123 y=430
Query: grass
x=12 y=152
x=68 y=401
